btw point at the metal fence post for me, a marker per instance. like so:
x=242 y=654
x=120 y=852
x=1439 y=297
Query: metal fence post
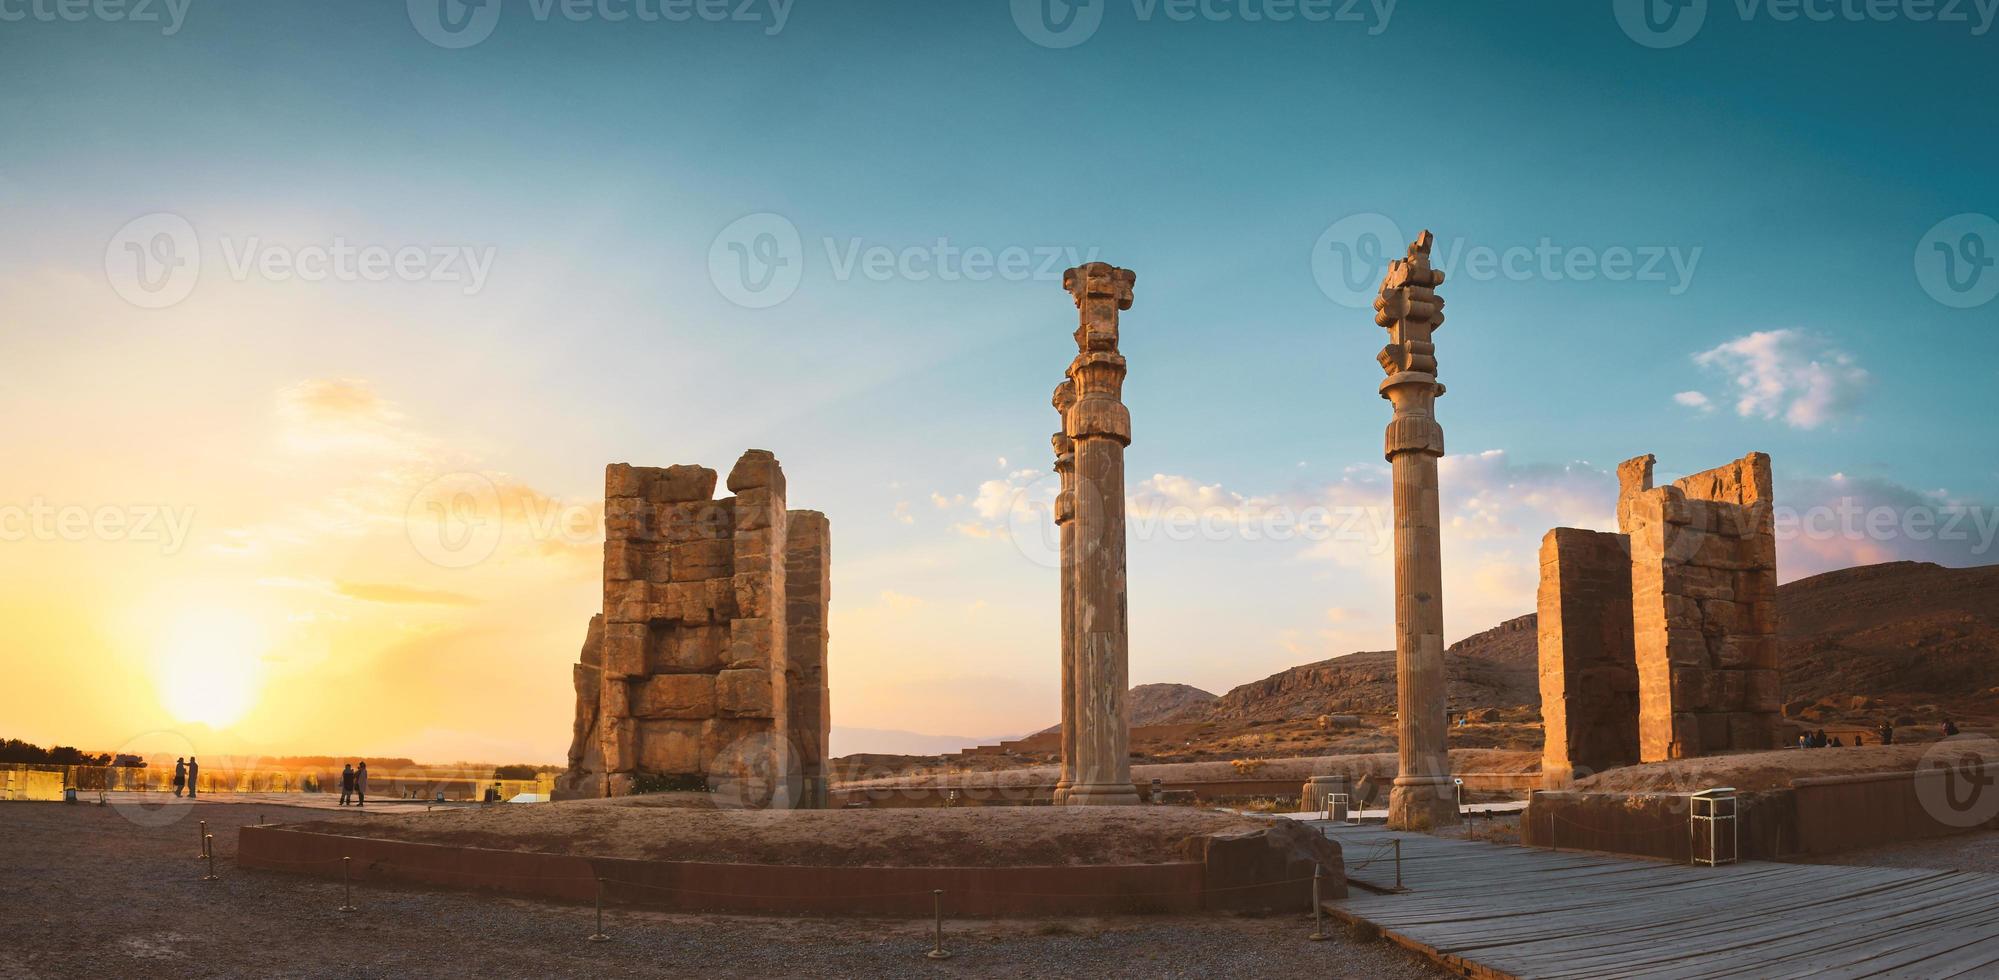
x=598 y=936
x=937 y=950
x=1398 y=864
x=1318 y=908
x=208 y=845
x=346 y=885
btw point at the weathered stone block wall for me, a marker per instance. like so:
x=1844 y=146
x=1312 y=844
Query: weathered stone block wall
x=685 y=676
x=1588 y=665
x=808 y=587
x=1704 y=590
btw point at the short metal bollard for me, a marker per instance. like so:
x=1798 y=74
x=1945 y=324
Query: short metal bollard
x=208 y=847
x=937 y=950
x=1318 y=907
x=598 y=936
x=347 y=885
x=1398 y=864
x=202 y=841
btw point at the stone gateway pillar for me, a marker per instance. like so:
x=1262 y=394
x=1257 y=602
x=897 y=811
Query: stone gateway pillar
x=1423 y=796
x=1100 y=428
x=1065 y=525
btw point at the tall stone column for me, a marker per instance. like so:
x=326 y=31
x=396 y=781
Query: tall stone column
x=1065 y=526
x=1100 y=428
x=1410 y=309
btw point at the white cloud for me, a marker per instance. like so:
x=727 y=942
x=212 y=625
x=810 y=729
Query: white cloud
x=1694 y=399
x=902 y=514
x=1788 y=374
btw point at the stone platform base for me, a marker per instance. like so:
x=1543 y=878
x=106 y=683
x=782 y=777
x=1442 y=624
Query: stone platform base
x=1260 y=869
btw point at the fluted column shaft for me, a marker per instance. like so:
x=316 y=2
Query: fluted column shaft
x=1424 y=795
x=1100 y=427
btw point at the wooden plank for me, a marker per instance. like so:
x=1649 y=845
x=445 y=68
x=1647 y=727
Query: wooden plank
x=1490 y=910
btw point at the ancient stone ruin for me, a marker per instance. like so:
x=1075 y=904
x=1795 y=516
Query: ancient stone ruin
x=1096 y=428
x=1660 y=642
x=707 y=667
x=1410 y=309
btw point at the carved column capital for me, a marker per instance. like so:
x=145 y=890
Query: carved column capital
x=1409 y=308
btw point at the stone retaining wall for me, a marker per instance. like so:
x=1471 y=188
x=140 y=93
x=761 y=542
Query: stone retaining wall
x=1251 y=870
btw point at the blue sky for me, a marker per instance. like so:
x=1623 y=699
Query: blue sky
x=1790 y=176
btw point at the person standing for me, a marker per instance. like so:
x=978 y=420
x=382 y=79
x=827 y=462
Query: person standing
x=1887 y=733
x=180 y=776
x=346 y=783
x=193 y=776
x=361 y=784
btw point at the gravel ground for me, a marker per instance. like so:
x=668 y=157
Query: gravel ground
x=108 y=892
x=1963 y=852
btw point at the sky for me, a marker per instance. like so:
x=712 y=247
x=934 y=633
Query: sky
x=285 y=288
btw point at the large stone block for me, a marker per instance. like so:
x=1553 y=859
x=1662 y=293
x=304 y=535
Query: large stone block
x=670 y=747
x=675 y=484
x=744 y=693
x=752 y=643
x=675 y=696
x=624 y=649
x=757 y=469
x=680 y=648
x=702 y=559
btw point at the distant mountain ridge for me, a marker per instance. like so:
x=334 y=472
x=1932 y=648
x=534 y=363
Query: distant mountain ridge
x=1912 y=629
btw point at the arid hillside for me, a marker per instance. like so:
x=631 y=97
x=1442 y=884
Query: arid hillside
x=1908 y=633
x=1493 y=669
x=1905 y=628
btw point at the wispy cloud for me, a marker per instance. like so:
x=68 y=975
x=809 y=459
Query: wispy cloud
x=1787 y=374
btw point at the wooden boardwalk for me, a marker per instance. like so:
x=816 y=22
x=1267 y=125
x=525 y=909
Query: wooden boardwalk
x=1496 y=910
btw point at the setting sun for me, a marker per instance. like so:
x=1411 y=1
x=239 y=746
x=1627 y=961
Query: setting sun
x=207 y=666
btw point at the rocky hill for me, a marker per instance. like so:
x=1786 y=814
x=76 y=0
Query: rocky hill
x=1493 y=669
x=1162 y=704
x=1910 y=632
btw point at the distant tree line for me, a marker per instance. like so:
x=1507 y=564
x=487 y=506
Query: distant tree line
x=15 y=750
